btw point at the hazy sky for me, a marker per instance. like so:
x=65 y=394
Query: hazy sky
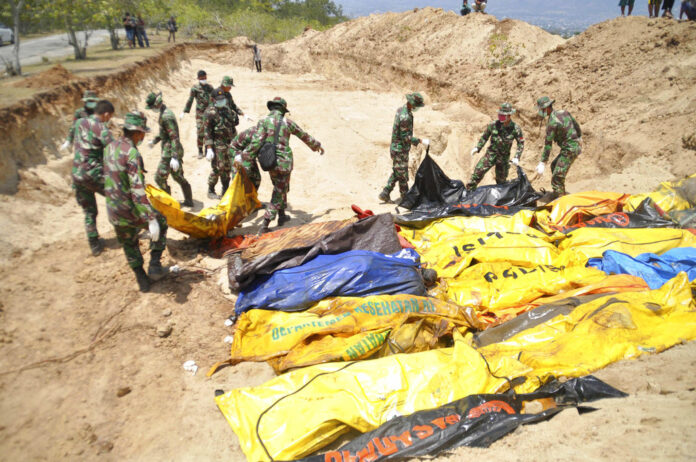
x=583 y=11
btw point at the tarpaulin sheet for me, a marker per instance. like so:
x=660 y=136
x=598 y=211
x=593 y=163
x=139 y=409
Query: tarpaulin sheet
x=494 y=287
x=376 y=234
x=356 y=273
x=654 y=269
x=422 y=216
x=213 y=222
x=363 y=395
x=585 y=243
x=344 y=329
x=474 y=421
x=452 y=254
x=574 y=208
x=440 y=229
x=432 y=187
x=670 y=196
x=645 y=216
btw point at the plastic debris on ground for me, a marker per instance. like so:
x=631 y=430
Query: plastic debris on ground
x=213 y=222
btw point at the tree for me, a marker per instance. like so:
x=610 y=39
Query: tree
x=16 y=6
x=77 y=16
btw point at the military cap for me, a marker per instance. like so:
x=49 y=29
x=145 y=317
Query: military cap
x=277 y=103
x=135 y=120
x=220 y=98
x=202 y=73
x=153 y=100
x=506 y=109
x=544 y=102
x=415 y=99
x=89 y=94
x=227 y=81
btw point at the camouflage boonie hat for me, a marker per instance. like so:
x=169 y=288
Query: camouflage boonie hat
x=135 y=120
x=89 y=94
x=544 y=102
x=506 y=109
x=277 y=103
x=152 y=100
x=227 y=81
x=220 y=98
x=415 y=99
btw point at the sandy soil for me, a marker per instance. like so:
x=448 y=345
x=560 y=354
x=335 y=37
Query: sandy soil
x=83 y=372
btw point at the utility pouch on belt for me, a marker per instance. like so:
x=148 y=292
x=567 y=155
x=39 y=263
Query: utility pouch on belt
x=267 y=153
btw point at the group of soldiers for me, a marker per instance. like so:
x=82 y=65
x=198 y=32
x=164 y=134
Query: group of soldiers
x=561 y=128
x=114 y=168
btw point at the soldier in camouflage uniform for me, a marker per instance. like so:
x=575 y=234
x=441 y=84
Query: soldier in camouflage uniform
x=250 y=165
x=90 y=102
x=126 y=201
x=502 y=133
x=219 y=130
x=565 y=131
x=202 y=92
x=226 y=86
x=91 y=137
x=172 y=160
x=280 y=176
x=402 y=139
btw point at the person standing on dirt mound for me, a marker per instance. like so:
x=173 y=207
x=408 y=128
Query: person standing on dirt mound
x=502 y=133
x=480 y=6
x=248 y=163
x=623 y=4
x=91 y=137
x=89 y=98
x=276 y=129
x=654 y=8
x=202 y=92
x=127 y=204
x=402 y=139
x=257 y=58
x=172 y=160
x=219 y=129
x=466 y=9
x=565 y=131
x=226 y=86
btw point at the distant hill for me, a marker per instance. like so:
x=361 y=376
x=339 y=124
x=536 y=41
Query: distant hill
x=560 y=15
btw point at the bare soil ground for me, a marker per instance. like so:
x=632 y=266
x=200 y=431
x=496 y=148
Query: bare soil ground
x=83 y=372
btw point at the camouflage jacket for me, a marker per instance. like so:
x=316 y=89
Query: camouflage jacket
x=265 y=131
x=169 y=133
x=203 y=95
x=79 y=114
x=218 y=127
x=564 y=130
x=502 y=137
x=402 y=131
x=124 y=185
x=241 y=141
x=91 y=137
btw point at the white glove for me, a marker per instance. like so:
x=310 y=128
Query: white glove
x=65 y=146
x=209 y=154
x=474 y=151
x=540 y=168
x=151 y=143
x=248 y=118
x=153 y=225
x=181 y=116
x=425 y=141
x=174 y=164
x=515 y=161
x=238 y=159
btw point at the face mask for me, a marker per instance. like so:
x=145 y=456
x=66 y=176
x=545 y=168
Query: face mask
x=203 y=82
x=542 y=113
x=502 y=118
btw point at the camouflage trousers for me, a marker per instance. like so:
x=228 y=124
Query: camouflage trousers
x=127 y=236
x=84 y=193
x=252 y=170
x=221 y=166
x=560 y=167
x=164 y=170
x=200 y=131
x=399 y=172
x=491 y=158
x=279 y=199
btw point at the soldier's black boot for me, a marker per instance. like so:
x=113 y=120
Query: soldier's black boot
x=384 y=197
x=200 y=152
x=264 y=226
x=225 y=185
x=282 y=218
x=143 y=280
x=155 y=270
x=95 y=245
x=211 y=193
x=167 y=189
x=188 y=195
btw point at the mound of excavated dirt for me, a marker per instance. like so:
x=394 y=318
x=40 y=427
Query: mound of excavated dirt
x=57 y=75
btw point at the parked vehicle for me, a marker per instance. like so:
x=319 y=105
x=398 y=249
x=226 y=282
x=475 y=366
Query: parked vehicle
x=6 y=34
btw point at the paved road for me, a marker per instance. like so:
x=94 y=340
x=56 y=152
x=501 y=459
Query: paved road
x=51 y=46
